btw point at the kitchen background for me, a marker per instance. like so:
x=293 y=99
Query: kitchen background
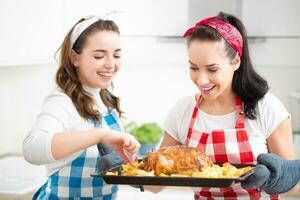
x=155 y=71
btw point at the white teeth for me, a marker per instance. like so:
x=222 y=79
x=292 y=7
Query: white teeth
x=106 y=74
x=207 y=89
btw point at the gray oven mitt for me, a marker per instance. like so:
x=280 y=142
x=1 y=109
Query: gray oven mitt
x=273 y=174
x=109 y=158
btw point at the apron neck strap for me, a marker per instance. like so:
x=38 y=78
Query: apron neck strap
x=193 y=119
x=240 y=122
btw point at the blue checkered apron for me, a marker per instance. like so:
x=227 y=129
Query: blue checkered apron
x=74 y=181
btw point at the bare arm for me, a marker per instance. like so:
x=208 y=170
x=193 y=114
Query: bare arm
x=167 y=141
x=281 y=140
x=66 y=143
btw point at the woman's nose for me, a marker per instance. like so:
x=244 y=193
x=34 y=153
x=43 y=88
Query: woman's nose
x=202 y=79
x=109 y=62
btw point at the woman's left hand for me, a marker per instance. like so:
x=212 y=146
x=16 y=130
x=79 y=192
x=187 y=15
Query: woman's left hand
x=273 y=174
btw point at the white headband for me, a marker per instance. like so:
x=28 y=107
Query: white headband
x=80 y=27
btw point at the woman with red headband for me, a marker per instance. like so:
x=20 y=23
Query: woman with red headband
x=233 y=118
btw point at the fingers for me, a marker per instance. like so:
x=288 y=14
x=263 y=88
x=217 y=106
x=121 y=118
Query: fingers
x=132 y=148
x=123 y=156
x=154 y=189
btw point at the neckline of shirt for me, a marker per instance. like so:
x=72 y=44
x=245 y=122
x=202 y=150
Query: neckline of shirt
x=228 y=115
x=215 y=116
x=95 y=93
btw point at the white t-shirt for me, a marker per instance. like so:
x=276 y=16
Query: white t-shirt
x=271 y=113
x=58 y=115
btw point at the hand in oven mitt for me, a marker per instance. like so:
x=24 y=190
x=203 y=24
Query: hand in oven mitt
x=109 y=158
x=273 y=174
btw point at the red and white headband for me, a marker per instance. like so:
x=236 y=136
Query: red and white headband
x=226 y=30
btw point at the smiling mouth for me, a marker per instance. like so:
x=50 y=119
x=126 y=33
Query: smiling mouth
x=105 y=74
x=207 y=89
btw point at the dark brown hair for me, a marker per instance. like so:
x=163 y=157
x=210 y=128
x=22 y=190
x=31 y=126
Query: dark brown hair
x=67 y=78
x=247 y=84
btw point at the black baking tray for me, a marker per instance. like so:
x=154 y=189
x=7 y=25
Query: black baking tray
x=171 y=181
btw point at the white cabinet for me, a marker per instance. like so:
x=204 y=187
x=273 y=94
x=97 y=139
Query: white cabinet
x=30 y=31
x=262 y=18
x=271 y=18
x=200 y=9
x=156 y=17
x=134 y=17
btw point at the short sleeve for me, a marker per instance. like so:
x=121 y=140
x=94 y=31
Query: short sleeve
x=272 y=112
x=176 y=122
x=170 y=124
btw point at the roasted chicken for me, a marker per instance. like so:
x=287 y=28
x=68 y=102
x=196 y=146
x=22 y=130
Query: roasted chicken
x=177 y=159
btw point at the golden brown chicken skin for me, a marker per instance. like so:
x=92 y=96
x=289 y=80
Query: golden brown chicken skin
x=175 y=159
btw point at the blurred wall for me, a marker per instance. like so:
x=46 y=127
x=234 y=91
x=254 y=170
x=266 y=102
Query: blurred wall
x=154 y=75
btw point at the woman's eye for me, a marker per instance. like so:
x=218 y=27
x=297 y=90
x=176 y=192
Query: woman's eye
x=98 y=57
x=212 y=70
x=117 y=56
x=193 y=68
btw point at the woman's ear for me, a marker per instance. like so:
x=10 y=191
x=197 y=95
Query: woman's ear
x=74 y=58
x=236 y=62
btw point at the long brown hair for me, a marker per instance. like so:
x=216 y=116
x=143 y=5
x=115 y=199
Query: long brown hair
x=67 y=78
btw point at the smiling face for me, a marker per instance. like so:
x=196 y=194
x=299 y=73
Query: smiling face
x=210 y=69
x=99 y=60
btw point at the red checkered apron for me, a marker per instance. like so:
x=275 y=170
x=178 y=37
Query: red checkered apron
x=228 y=145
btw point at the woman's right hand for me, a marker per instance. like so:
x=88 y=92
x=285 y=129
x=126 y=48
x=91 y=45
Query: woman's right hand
x=123 y=143
x=154 y=189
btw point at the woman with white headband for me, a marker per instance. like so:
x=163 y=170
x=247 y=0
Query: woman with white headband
x=80 y=113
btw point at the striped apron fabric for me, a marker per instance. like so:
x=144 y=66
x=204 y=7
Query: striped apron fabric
x=228 y=145
x=74 y=180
